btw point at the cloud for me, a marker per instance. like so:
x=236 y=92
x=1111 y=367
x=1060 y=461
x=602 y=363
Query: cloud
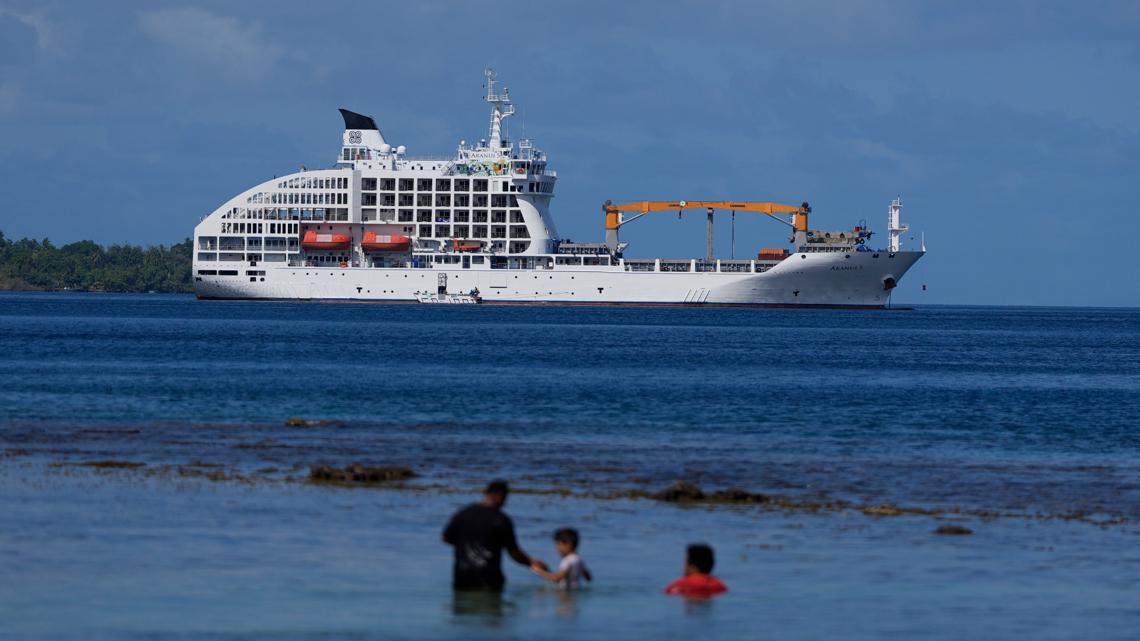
x=236 y=50
x=48 y=38
x=885 y=27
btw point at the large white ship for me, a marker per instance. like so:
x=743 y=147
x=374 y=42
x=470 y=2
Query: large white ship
x=476 y=227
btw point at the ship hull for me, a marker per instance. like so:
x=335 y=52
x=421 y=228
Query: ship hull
x=830 y=279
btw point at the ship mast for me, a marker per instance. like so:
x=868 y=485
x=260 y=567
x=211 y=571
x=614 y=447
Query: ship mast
x=501 y=108
x=895 y=228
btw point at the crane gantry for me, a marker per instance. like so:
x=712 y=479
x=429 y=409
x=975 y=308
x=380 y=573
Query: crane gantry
x=615 y=218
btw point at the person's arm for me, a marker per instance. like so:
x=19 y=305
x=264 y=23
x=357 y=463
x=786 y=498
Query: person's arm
x=551 y=576
x=516 y=552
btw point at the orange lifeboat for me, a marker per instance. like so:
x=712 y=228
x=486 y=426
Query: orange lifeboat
x=313 y=240
x=383 y=243
x=466 y=245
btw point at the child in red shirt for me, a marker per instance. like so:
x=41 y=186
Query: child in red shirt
x=697 y=583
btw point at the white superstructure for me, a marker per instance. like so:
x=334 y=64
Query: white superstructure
x=476 y=225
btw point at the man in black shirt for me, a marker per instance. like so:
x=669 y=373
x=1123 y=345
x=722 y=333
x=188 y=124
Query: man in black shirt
x=479 y=532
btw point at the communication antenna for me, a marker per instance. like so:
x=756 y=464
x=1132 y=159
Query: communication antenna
x=501 y=108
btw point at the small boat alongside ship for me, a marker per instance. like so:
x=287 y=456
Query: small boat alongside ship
x=384 y=225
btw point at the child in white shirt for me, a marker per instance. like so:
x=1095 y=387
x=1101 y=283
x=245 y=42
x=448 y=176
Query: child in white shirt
x=571 y=570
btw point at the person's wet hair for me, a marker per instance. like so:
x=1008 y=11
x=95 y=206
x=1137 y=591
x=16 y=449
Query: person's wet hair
x=567 y=535
x=701 y=557
x=497 y=487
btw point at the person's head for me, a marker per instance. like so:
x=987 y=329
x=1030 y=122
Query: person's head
x=699 y=559
x=496 y=493
x=566 y=540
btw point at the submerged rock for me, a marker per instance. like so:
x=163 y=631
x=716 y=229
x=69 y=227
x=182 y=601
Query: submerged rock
x=738 y=496
x=684 y=492
x=113 y=465
x=359 y=474
x=296 y=421
x=953 y=530
x=885 y=509
x=680 y=492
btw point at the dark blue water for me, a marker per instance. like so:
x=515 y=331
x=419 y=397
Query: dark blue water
x=1029 y=413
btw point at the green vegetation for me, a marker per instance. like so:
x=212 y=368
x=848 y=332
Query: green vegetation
x=33 y=264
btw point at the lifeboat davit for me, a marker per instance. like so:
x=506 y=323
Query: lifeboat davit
x=384 y=243
x=466 y=245
x=313 y=240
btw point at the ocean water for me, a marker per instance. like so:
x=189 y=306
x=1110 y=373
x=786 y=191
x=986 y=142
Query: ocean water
x=1021 y=424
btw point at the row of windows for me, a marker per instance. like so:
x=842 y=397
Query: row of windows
x=239 y=243
x=458 y=185
x=299 y=198
x=243 y=228
x=287 y=213
x=314 y=182
x=329 y=214
x=424 y=184
x=473 y=231
x=438 y=200
x=446 y=185
x=239 y=257
x=443 y=215
x=257 y=228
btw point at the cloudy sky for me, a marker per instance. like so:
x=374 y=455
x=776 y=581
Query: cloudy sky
x=1010 y=129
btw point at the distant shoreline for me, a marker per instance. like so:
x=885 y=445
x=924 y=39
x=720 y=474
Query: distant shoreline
x=29 y=265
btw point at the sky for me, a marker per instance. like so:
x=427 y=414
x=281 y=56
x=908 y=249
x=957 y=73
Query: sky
x=1010 y=129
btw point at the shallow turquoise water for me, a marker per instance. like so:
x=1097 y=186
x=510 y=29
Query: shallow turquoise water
x=1033 y=413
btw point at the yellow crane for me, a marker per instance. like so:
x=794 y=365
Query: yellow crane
x=615 y=214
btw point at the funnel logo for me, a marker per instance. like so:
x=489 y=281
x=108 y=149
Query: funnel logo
x=354 y=137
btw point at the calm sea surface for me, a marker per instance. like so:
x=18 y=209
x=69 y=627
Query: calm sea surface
x=1022 y=424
